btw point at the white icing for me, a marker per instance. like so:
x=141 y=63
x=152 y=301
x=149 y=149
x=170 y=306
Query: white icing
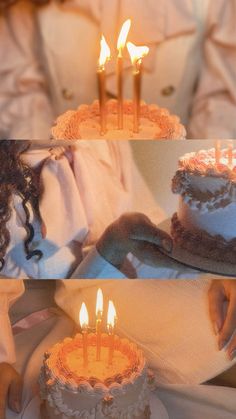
x=63 y=400
x=221 y=221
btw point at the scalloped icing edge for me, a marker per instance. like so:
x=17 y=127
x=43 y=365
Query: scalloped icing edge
x=52 y=391
x=203 y=244
x=197 y=163
x=67 y=125
x=209 y=202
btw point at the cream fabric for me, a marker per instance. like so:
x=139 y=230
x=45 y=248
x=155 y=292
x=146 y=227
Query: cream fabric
x=84 y=189
x=47 y=70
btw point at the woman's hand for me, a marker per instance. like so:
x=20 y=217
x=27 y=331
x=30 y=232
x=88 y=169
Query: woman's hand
x=132 y=232
x=11 y=386
x=222 y=306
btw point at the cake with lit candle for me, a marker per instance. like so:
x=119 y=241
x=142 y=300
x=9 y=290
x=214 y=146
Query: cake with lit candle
x=95 y=389
x=84 y=123
x=205 y=223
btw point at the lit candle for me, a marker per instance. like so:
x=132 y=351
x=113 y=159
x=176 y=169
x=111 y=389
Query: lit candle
x=84 y=321
x=111 y=319
x=230 y=153
x=136 y=55
x=99 y=312
x=217 y=152
x=101 y=73
x=120 y=46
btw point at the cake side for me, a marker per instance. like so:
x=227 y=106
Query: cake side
x=84 y=123
x=205 y=220
x=68 y=393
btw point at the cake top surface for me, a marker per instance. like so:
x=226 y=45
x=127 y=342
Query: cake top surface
x=204 y=162
x=84 y=123
x=64 y=362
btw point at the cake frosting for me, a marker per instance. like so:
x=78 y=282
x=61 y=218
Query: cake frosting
x=205 y=223
x=72 y=390
x=84 y=123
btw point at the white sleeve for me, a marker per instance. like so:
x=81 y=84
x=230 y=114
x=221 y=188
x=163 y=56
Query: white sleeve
x=25 y=110
x=214 y=106
x=10 y=291
x=95 y=266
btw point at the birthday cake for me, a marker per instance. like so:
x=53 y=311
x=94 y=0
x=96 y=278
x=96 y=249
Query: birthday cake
x=99 y=390
x=84 y=123
x=205 y=223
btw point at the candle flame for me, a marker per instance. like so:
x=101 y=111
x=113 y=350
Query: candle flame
x=83 y=317
x=111 y=315
x=99 y=304
x=123 y=35
x=137 y=53
x=105 y=52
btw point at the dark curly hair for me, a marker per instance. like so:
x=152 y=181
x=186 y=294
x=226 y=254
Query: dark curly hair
x=17 y=178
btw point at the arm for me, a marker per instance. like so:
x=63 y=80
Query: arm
x=10 y=381
x=25 y=110
x=214 y=106
x=10 y=291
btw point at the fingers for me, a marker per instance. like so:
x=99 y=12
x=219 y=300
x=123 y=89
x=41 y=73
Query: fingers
x=15 y=394
x=10 y=389
x=229 y=326
x=142 y=229
x=216 y=298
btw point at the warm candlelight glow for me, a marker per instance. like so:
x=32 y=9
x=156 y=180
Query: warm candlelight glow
x=105 y=52
x=111 y=319
x=137 y=53
x=120 y=46
x=111 y=316
x=123 y=35
x=99 y=303
x=101 y=74
x=99 y=312
x=84 y=320
x=83 y=317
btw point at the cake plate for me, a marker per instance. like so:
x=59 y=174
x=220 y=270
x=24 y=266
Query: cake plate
x=195 y=261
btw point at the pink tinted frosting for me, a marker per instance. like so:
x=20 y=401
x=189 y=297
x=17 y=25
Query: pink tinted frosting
x=67 y=126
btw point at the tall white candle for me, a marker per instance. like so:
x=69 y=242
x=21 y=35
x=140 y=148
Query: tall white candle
x=101 y=74
x=136 y=55
x=120 y=46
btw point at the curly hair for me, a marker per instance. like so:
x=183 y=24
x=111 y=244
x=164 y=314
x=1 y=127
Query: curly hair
x=17 y=178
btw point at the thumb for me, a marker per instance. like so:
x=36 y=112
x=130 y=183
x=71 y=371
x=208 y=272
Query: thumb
x=216 y=300
x=15 y=394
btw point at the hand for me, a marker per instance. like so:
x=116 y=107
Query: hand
x=222 y=306
x=132 y=232
x=11 y=386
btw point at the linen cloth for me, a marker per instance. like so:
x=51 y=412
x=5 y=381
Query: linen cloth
x=172 y=328
x=190 y=69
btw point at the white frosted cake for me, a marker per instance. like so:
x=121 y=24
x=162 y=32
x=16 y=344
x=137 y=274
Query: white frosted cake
x=72 y=390
x=205 y=223
x=84 y=123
